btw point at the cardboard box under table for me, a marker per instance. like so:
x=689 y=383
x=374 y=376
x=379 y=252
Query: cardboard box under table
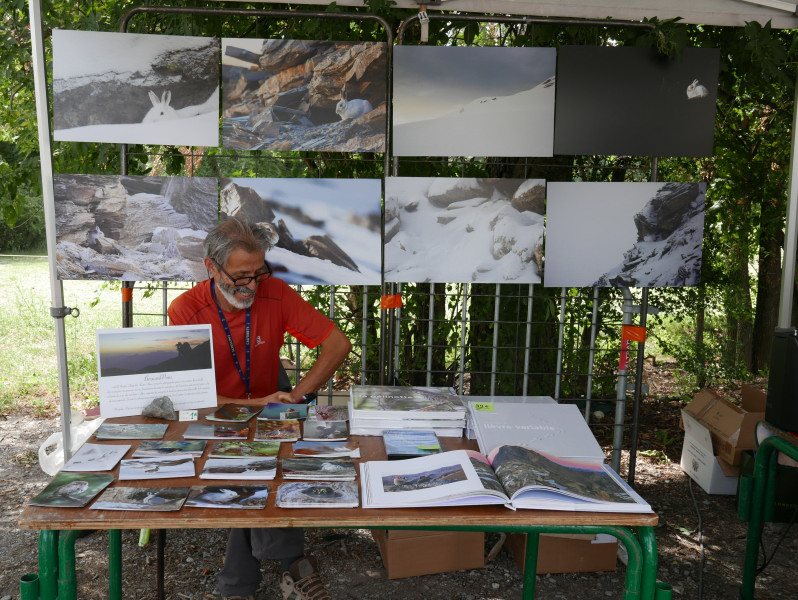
x=410 y=553
x=567 y=553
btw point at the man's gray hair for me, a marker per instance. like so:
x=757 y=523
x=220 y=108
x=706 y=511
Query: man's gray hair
x=235 y=233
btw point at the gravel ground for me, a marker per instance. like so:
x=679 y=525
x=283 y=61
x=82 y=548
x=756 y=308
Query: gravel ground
x=351 y=564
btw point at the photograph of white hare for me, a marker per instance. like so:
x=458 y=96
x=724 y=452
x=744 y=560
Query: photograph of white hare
x=631 y=101
x=470 y=101
x=135 y=88
x=304 y=95
x=464 y=230
x=624 y=234
x=133 y=228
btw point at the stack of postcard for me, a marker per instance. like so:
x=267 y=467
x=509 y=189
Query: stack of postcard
x=239 y=468
x=319 y=468
x=233 y=413
x=148 y=498
x=228 y=496
x=72 y=490
x=152 y=448
x=374 y=408
x=327 y=449
x=282 y=430
x=160 y=467
x=276 y=410
x=130 y=431
x=244 y=449
x=309 y=494
x=314 y=430
x=96 y=457
x=328 y=412
x=200 y=431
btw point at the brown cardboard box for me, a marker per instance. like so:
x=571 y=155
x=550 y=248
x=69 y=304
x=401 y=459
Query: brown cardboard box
x=732 y=427
x=570 y=553
x=409 y=553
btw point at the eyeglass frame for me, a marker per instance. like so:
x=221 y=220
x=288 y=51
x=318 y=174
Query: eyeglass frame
x=237 y=281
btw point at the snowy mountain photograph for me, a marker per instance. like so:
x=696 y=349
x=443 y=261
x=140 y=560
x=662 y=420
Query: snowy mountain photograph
x=464 y=230
x=135 y=88
x=631 y=101
x=133 y=228
x=325 y=231
x=624 y=234
x=471 y=101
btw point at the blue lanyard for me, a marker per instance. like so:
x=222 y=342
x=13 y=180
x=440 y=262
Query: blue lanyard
x=247 y=328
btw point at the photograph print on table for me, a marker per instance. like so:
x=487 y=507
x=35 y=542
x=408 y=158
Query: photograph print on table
x=471 y=101
x=158 y=467
x=72 y=490
x=135 y=88
x=304 y=95
x=324 y=231
x=624 y=234
x=445 y=229
x=133 y=228
x=625 y=100
x=149 y=448
x=141 y=498
x=96 y=457
x=228 y=496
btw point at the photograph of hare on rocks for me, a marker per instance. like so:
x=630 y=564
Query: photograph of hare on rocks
x=135 y=88
x=304 y=95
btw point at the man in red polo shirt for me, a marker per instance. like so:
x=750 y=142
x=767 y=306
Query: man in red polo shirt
x=249 y=312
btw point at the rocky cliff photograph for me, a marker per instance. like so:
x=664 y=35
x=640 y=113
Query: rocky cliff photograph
x=135 y=88
x=470 y=101
x=441 y=229
x=624 y=234
x=325 y=231
x=304 y=95
x=633 y=101
x=133 y=228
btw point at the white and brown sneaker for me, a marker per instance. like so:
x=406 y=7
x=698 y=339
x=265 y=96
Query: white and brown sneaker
x=302 y=581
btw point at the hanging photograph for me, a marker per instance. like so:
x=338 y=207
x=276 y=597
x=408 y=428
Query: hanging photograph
x=325 y=231
x=470 y=101
x=624 y=234
x=632 y=101
x=304 y=95
x=464 y=230
x=135 y=88
x=136 y=365
x=133 y=228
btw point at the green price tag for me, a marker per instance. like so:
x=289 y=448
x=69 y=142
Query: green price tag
x=429 y=447
x=484 y=406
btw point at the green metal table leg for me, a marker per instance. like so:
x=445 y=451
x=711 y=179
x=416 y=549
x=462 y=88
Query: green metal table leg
x=648 y=543
x=67 y=580
x=530 y=565
x=48 y=565
x=114 y=564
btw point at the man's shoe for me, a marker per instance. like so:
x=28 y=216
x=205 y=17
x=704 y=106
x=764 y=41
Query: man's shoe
x=302 y=581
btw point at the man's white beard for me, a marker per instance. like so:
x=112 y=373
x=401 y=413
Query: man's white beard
x=228 y=292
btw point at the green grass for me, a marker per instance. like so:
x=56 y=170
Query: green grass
x=29 y=372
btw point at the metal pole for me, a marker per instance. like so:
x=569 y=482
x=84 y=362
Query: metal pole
x=592 y=355
x=638 y=390
x=495 y=351
x=528 y=339
x=620 y=392
x=430 y=332
x=463 y=334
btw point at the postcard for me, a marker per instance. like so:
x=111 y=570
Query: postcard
x=131 y=498
x=130 y=431
x=326 y=448
x=96 y=457
x=239 y=468
x=72 y=490
x=235 y=449
x=200 y=431
x=314 y=494
x=228 y=496
x=233 y=413
x=149 y=448
x=157 y=468
x=276 y=410
x=284 y=430
x=324 y=430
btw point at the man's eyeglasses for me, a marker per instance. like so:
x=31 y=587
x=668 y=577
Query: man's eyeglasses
x=259 y=276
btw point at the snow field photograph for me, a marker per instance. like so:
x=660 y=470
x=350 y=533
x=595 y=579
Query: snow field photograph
x=464 y=230
x=624 y=234
x=135 y=88
x=470 y=101
x=325 y=231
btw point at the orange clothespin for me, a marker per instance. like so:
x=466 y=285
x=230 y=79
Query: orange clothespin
x=391 y=301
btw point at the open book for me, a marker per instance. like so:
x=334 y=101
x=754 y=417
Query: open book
x=515 y=476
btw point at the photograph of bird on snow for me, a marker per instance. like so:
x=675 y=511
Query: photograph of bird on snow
x=469 y=101
x=464 y=230
x=133 y=228
x=304 y=95
x=624 y=234
x=228 y=496
x=135 y=88
x=324 y=231
x=628 y=100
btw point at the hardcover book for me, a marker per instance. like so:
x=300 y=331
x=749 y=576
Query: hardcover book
x=96 y=457
x=243 y=449
x=313 y=430
x=326 y=448
x=72 y=490
x=355 y=429
x=153 y=448
x=239 y=468
x=309 y=494
x=233 y=413
x=157 y=468
x=557 y=429
x=315 y=467
x=410 y=443
x=514 y=476
x=132 y=498
x=406 y=402
x=277 y=429
x=130 y=431
x=200 y=431
x=228 y=496
x=276 y=410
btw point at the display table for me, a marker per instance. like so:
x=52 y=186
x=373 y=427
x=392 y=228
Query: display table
x=59 y=526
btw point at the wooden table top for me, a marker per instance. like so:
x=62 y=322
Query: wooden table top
x=371 y=448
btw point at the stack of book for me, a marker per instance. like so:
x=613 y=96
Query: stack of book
x=374 y=408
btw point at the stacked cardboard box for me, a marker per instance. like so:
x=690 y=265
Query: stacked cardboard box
x=567 y=553
x=410 y=553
